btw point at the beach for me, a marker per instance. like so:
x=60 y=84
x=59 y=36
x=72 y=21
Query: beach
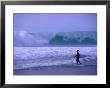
x=59 y=70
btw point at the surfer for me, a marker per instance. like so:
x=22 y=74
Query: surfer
x=77 y=57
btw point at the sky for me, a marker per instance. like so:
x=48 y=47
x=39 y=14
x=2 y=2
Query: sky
x=55 y=22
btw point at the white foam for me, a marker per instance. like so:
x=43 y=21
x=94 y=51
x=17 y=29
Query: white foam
x=26 y=57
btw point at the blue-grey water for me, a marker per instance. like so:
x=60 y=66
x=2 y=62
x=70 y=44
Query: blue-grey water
x=27 y=57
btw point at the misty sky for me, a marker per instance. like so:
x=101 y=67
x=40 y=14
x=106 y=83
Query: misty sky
x=55 y=22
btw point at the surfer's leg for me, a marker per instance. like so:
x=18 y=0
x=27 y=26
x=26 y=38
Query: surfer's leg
x=79 y=62
x=76 y=61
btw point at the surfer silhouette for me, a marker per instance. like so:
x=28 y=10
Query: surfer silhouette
x=77 y=57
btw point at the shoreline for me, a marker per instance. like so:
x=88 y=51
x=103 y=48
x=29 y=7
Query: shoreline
x=62 y=46
x=59 y=70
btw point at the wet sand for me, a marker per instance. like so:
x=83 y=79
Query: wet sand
x=59 y=70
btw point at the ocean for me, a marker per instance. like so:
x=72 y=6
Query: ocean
x=28 y=57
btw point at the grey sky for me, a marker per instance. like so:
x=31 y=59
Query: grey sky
x=55 y=22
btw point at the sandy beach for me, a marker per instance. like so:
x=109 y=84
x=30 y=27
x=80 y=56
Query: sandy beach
x=59 y=70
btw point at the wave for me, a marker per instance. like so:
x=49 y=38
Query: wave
x=50 y=39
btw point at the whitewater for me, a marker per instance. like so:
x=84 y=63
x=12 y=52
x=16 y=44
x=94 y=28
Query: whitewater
x=28 y=57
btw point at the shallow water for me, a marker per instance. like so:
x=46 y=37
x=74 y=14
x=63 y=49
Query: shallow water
x=27 y=57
